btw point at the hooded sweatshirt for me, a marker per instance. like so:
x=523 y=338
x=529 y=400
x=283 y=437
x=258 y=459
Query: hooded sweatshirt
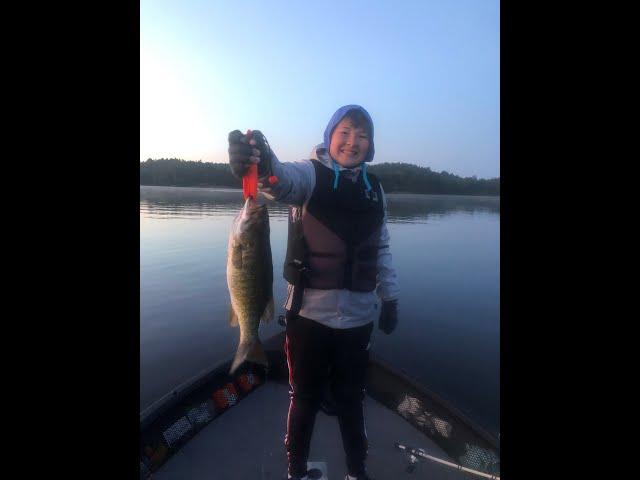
x=296 y=181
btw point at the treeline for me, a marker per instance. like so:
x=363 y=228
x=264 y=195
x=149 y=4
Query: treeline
x=183 y=173
x=395 y=177
x=406 y=177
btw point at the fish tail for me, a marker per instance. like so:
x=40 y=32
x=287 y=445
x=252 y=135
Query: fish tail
x=249 y=351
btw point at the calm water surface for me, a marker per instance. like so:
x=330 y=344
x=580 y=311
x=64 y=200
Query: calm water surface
x=446 y=250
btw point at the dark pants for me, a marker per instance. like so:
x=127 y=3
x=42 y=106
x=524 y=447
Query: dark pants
x=319 y=356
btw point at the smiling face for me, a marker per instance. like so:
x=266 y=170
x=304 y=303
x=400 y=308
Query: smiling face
x=349 y=144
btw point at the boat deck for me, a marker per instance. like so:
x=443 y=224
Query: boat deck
x=247 y=442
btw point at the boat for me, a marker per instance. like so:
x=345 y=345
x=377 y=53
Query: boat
x=216 y=426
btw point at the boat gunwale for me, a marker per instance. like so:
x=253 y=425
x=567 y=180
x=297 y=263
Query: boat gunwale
x=442 y=402
x=274 y=349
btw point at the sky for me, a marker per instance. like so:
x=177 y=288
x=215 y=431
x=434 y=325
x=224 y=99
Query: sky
x=428 y=72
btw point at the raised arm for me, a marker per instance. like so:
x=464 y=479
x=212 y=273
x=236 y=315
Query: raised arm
x=293 y=181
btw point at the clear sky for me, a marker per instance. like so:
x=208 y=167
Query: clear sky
x=428 y=72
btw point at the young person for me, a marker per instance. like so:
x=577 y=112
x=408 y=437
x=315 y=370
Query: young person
x=339 y=272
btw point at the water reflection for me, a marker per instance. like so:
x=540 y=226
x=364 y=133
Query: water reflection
x=178 y=202
x=446 y=250
x=413 y=208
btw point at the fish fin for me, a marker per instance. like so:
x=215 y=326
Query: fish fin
x=267 y=315
x=233 y=318
x=249 y=352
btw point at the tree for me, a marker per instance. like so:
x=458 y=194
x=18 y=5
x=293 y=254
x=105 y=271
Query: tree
x=395 y=177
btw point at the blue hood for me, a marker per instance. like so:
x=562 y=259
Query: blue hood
x=339 y=115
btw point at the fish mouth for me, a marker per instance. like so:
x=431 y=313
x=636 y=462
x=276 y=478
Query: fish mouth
x=253 y=209
x=252 y=214
x=252 y=204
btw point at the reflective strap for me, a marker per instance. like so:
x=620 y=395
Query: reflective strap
x=336 y=169
x=364 y=176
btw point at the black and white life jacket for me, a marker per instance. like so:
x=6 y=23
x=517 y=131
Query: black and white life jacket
x=333 y=243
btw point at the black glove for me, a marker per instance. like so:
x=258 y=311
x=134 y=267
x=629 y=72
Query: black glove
x=241 y=153
x=388 y=316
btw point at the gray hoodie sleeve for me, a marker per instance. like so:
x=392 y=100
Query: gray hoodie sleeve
x=387 y=288
x=296 y=181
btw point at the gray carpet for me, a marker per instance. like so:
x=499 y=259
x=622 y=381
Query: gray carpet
x=247 y=442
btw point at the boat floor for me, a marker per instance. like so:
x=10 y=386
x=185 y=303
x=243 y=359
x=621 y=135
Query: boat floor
x=247 y=442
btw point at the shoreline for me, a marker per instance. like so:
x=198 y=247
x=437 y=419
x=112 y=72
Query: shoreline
x=231 y=189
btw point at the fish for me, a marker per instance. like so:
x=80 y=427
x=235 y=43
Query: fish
x=250 y=280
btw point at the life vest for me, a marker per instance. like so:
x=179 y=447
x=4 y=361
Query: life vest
x=334 y=239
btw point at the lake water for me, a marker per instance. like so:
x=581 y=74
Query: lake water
x=446 y=250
